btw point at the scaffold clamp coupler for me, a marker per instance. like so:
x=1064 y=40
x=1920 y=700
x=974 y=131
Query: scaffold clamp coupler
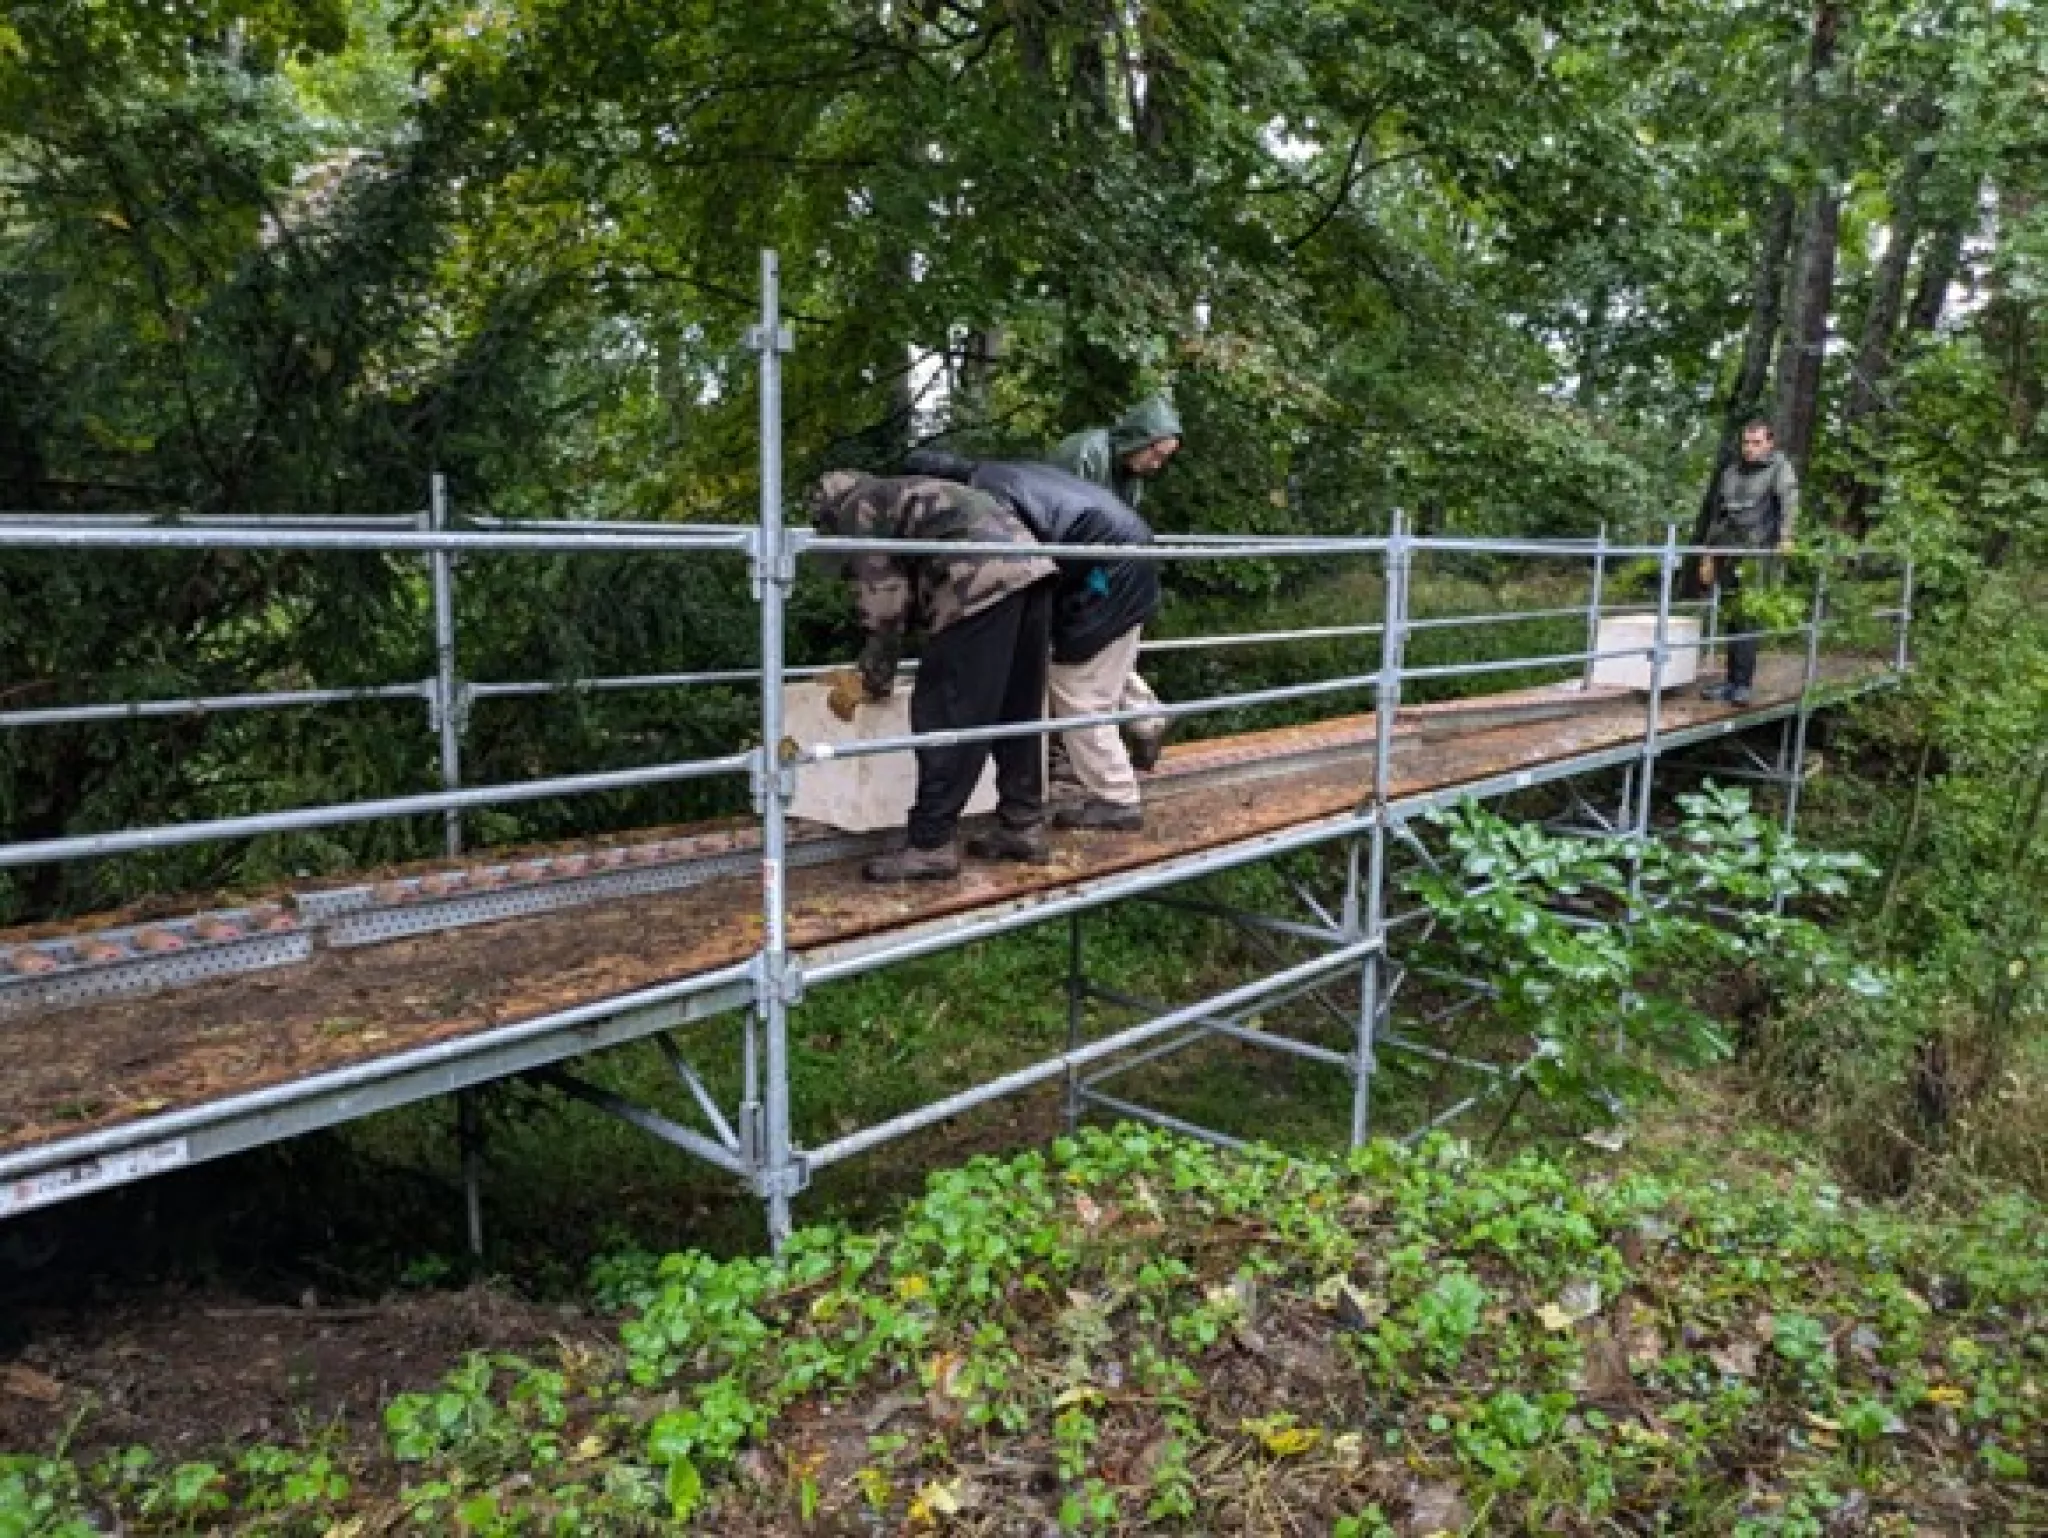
x=778 y=977
x=792 y=1179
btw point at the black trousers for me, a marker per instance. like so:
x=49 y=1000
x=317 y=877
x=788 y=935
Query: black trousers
x=985 y=670
x=1736 y=619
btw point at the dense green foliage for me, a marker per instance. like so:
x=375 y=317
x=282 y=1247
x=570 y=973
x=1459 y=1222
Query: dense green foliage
x=1141 y=1335
x=1497 y=264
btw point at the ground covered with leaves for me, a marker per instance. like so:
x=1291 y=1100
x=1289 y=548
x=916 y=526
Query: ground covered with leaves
x=1135 y=1333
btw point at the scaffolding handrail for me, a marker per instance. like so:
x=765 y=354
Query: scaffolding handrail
x=85 y=846
x=208 y=704
x=738 y=538
x=215 y=520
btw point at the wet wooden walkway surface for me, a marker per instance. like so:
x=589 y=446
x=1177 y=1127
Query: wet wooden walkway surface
x=104 y=1063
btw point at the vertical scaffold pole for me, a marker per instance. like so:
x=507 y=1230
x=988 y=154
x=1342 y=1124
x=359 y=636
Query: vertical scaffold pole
x=1710 y=645
x=778 y=1174
x=469 y=1137
x=1653 y=712
x=448 y=701
x=1796 y=769
x=1594 y=601
x=1646 y=765
x=1369 y=915
x=1077 y=1003
x=1903 y=661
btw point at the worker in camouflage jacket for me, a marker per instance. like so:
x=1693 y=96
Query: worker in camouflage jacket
x=1755 y=507
x=1099 y=613
x=986 y=621
x=1123 y=458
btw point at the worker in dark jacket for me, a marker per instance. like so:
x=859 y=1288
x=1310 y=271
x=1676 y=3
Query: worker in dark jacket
x=986 y=621
x=1126 y=456
x=1100 y=609
x=1756 y=507
x=1123 y=458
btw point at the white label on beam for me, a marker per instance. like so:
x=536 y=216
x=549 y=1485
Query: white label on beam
x=115 y=1169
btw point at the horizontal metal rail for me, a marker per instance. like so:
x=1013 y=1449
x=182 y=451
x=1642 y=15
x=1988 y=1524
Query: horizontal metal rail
x=1152 y=1008
x=218 y=520
x=836 y=544
x=1095 y=1051
x=1163 y=1120
x=208 y=705
x=85 y=846
x=366 y=541
x=967 y=928
x=870 y=747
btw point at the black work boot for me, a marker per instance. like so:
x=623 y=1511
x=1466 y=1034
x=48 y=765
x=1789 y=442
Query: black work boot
x=1006 y=843
x=1100 y=817
x=914 y=864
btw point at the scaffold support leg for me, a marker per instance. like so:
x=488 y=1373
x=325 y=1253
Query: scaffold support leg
x=1077 y=1004
x=469 y=1134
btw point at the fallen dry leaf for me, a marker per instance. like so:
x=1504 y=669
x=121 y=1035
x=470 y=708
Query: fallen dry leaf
x=26 y=1383
x=1436 y=1508
x=1604 y=1377
x=1737 y=1359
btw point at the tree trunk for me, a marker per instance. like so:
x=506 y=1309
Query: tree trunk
x=1939 y=264
x=2009 y=331
x=1034 y=48
x=1088 y=66
x=1766 y=311
x=1586 y=392
x=1159 y=113
x=1813 y=275
x=982 y=352
x=1888 y=288
x=1806 y=328
x=1872 y=370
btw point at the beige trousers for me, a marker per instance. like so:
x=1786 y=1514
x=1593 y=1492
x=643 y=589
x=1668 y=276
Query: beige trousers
x=1103 y=683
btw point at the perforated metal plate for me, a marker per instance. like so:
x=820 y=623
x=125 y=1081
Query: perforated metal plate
x=139 y=973
x=368 y=926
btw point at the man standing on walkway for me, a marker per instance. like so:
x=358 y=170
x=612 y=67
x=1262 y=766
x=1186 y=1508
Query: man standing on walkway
x=1756 y=506
x=1123 y=458
x=986 y=621
x=1099 y=612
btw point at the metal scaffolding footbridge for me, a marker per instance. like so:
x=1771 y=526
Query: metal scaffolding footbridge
x=138 y=1047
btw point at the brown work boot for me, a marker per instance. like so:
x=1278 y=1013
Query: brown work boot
x=1001 y=843
x=1100 y=817
x=914 y=864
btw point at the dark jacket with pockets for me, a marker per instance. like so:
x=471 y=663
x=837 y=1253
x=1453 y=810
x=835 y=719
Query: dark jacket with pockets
x=1096 y=601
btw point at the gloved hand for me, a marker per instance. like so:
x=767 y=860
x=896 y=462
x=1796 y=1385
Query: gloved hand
x=878 y=666
x=844 y=692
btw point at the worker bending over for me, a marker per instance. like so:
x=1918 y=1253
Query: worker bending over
x=986 y=621
x=1099 y=613
x=1756 y=506
x=1122 y=459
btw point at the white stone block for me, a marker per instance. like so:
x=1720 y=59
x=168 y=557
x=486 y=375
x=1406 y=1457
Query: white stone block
x=859 y=795
x=1621 y=632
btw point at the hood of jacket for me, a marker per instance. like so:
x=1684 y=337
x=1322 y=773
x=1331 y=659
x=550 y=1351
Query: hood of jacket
x=832 y=498
x=1144 y=425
